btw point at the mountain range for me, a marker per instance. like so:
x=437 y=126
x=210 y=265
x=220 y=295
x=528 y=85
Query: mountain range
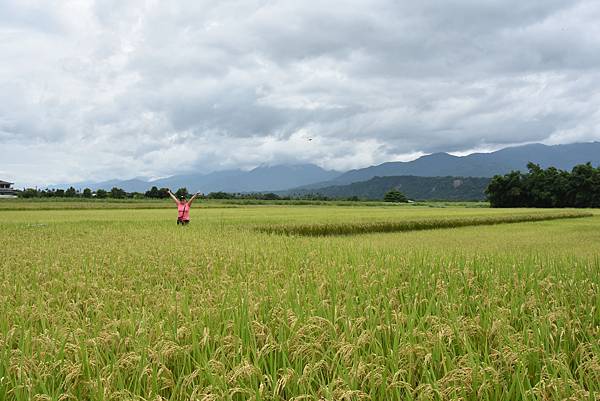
x=303 y=177
x=415 y=188
x=259 y=179
x=503 y=161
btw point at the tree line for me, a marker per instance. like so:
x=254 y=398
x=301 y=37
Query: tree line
x=113 y=193
x=546 y=188
x=155 y=193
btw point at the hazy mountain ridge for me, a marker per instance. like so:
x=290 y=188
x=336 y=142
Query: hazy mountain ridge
x=414 y=187
x=477 y=164
x=262 y=178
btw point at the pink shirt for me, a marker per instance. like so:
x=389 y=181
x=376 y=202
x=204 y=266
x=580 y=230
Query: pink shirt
x=183 y=210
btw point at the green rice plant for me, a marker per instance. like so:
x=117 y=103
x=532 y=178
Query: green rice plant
x=352 y=228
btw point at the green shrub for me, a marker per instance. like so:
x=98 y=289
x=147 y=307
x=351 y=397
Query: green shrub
x=395 y=196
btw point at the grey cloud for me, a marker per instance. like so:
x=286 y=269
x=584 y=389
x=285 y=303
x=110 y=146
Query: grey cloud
x=152 y=88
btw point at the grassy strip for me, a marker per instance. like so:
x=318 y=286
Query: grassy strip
x=411 y=225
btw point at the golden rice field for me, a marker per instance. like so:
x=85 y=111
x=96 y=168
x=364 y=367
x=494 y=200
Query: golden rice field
x=122 y=304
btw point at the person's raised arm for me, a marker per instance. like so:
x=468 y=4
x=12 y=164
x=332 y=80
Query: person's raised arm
x=172 y=196
x=192 y=198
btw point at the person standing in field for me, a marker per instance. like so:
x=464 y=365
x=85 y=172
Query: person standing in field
x=183 y=208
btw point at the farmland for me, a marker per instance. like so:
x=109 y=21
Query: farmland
x=115 y=302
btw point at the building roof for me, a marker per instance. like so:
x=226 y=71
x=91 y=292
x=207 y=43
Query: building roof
x=6 y=182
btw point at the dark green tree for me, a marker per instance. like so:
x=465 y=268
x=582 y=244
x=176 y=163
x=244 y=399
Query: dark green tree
x=506 y=190
x=152 y=193
x=29 y=193
x=101 y=194
x=182 y=192
x=270 y=196
x=546 y=188
x=394 y=195
x=70 y=192
x=220 y=195
x=117 y=193
x=581 y=185
x=87 y=193
x=163 y=193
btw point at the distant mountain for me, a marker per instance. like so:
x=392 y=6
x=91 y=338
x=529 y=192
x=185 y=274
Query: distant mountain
x=309 y=176
x=263 y=178
x=478 y=164
x=415 y=188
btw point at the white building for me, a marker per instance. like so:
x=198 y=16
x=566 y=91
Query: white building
x=6 y=190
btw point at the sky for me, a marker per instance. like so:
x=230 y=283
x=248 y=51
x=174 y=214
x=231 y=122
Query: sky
x=94 y=90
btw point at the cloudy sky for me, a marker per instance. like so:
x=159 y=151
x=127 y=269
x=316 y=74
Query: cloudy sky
x=119 y=89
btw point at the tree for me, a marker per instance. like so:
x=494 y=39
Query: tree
x=546 y=187
x=163 y=193
x=87 y=193
x=70 y=192
x=117 y=193
x=507 y=190
x=182 y=192
x=101 y=194
x=220 y=195
x=29 y=193
x=270 y=196
x=152 y=193
x=581 y=185
x=395 y=195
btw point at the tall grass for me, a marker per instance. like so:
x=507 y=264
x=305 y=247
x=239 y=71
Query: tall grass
x=349 y=228
x=128 y=306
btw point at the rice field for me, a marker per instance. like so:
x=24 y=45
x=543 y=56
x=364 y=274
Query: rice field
x=122 y=304
x=404 y=224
